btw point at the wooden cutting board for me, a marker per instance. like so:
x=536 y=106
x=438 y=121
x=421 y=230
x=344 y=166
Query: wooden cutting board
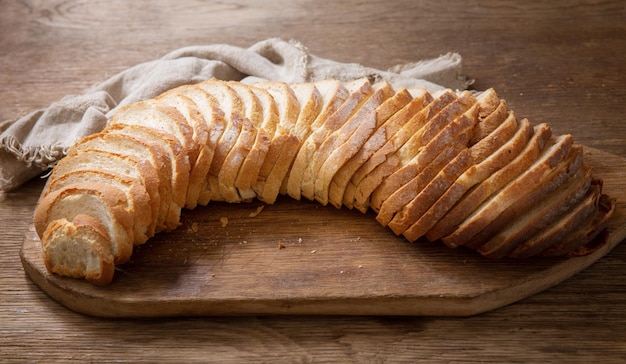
x=303 y=258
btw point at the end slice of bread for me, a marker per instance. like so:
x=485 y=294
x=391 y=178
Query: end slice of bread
x=79 y=249
x=98 y=200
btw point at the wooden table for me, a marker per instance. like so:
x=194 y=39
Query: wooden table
x=562 y=63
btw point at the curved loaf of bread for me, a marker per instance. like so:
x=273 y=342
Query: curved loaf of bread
x=454 y=167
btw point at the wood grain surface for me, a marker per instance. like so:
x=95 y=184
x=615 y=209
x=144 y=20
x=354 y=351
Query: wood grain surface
x=558 y=62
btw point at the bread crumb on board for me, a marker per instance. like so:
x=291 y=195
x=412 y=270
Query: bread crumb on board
x=194 y=227
x=256 y=212
x=281 y=245
x=223 y=221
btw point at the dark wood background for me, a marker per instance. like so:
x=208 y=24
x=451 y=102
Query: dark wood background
x=558 y=62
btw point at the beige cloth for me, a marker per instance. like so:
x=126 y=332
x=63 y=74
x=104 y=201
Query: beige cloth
x=33 y=143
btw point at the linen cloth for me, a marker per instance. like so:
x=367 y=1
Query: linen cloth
x=32 y=144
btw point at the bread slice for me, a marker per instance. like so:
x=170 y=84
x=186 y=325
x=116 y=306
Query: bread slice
x=350 y=138
x=333 y=94
x=476 y=173
x=270 y=118
x=98 y=200
x=492 y=111
x=137 y=197
x=412 y=102
x=420 y=149
x=488 y=211
x=482 y=191
x=520 y=232
x=79 y=248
